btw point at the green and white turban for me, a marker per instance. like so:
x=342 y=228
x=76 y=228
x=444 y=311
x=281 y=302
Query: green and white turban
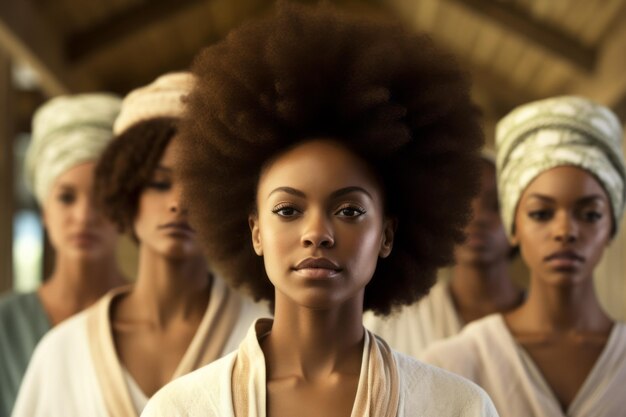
x=68 y=131
x=559 y=131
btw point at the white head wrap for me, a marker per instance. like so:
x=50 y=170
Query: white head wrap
x=554 y=132
x=68 y=131
x=162 y=98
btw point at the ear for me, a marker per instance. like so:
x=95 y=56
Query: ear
x=253 y=223
x=389 y=230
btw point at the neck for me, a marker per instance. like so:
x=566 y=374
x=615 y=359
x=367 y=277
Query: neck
x=485 y=287
x=167 y=288
x=76 y=284
x=553 y=308
x=315 y=343
x=80 y=283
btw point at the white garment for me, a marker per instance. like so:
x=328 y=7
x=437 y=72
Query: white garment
x=390 y=384
x=486 y=353
x=415 y=327
x=75 y=370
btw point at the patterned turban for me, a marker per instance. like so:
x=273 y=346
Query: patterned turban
x=68 y=131
x=162 y=98
x=559 y=131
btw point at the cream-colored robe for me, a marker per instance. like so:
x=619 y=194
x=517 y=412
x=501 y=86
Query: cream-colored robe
x=390 y=385
x=75 y=370
x=486 y=353
x=415 y=327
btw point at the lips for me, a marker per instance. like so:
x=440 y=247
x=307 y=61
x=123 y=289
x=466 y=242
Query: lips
x=565 y=255
x=178 y=226
x=317 y=268
x=84 y=238
x=565 y=260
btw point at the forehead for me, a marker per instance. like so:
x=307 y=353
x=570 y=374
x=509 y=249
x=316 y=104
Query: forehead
x=318 y=166
x=171 y=152
x=565 y=184
x=79 y=176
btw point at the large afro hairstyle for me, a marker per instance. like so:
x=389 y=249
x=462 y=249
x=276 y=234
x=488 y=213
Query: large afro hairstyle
x=388 y=95
x=126 y=167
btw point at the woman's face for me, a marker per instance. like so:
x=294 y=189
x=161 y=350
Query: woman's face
x=320 y=224
x=563 y=224
x=161 y=224
x=486 y=242
x=75 y=226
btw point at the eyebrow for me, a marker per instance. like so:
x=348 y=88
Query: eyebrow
x=587 y=199
x=334 y=194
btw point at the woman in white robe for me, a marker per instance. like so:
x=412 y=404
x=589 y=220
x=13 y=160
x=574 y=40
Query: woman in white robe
x=561 y=177
x=479 y=283
x=69 y=133
x=108 y=360
x=325 y=154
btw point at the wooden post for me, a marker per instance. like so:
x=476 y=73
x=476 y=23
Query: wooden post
x=7 y=137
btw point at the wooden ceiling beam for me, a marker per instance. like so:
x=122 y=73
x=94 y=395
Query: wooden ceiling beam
x=518 y=21
x=123 y=25
x=27 y=37
x=503 y=94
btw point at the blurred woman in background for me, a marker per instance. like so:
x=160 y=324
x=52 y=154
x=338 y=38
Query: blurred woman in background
x=480 y=283
x=69 y=135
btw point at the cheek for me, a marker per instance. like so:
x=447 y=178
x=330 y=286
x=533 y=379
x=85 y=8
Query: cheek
x=363 y=245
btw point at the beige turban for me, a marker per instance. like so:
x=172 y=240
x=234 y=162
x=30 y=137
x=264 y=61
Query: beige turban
x=68 y=131
x=162 y=98
x=559 y=131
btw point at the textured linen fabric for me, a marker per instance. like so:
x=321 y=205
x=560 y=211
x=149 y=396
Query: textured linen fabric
x=161 y=98
x=413 y=328
x=68 y=131
x=390 y=384
x=23 y=322
x=486 y=353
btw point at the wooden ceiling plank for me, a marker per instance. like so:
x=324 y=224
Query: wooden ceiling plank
x=122 y=26
x=605 y=17
x=487 y=43
x=27 y=36
x=526 y=68
x=542 y=36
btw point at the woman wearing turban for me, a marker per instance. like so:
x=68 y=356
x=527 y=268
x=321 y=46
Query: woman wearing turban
x=108 y=360
x=308 y=156
x=69 y=135
x=561 y=178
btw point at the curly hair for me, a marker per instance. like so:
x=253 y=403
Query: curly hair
x=389 y=96
x=127 y=165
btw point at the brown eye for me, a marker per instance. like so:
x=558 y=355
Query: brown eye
x=350 y=211
x=540 y=215
x=287 y=211
x=66 y=198
x=592 y=216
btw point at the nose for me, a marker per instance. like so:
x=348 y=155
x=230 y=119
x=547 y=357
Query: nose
x=565 y=229
x=318 y=231
x=175 y=204
x=86 y=210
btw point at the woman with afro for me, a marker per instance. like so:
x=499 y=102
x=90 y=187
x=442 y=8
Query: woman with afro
x=328 y=163
x=176 y=317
